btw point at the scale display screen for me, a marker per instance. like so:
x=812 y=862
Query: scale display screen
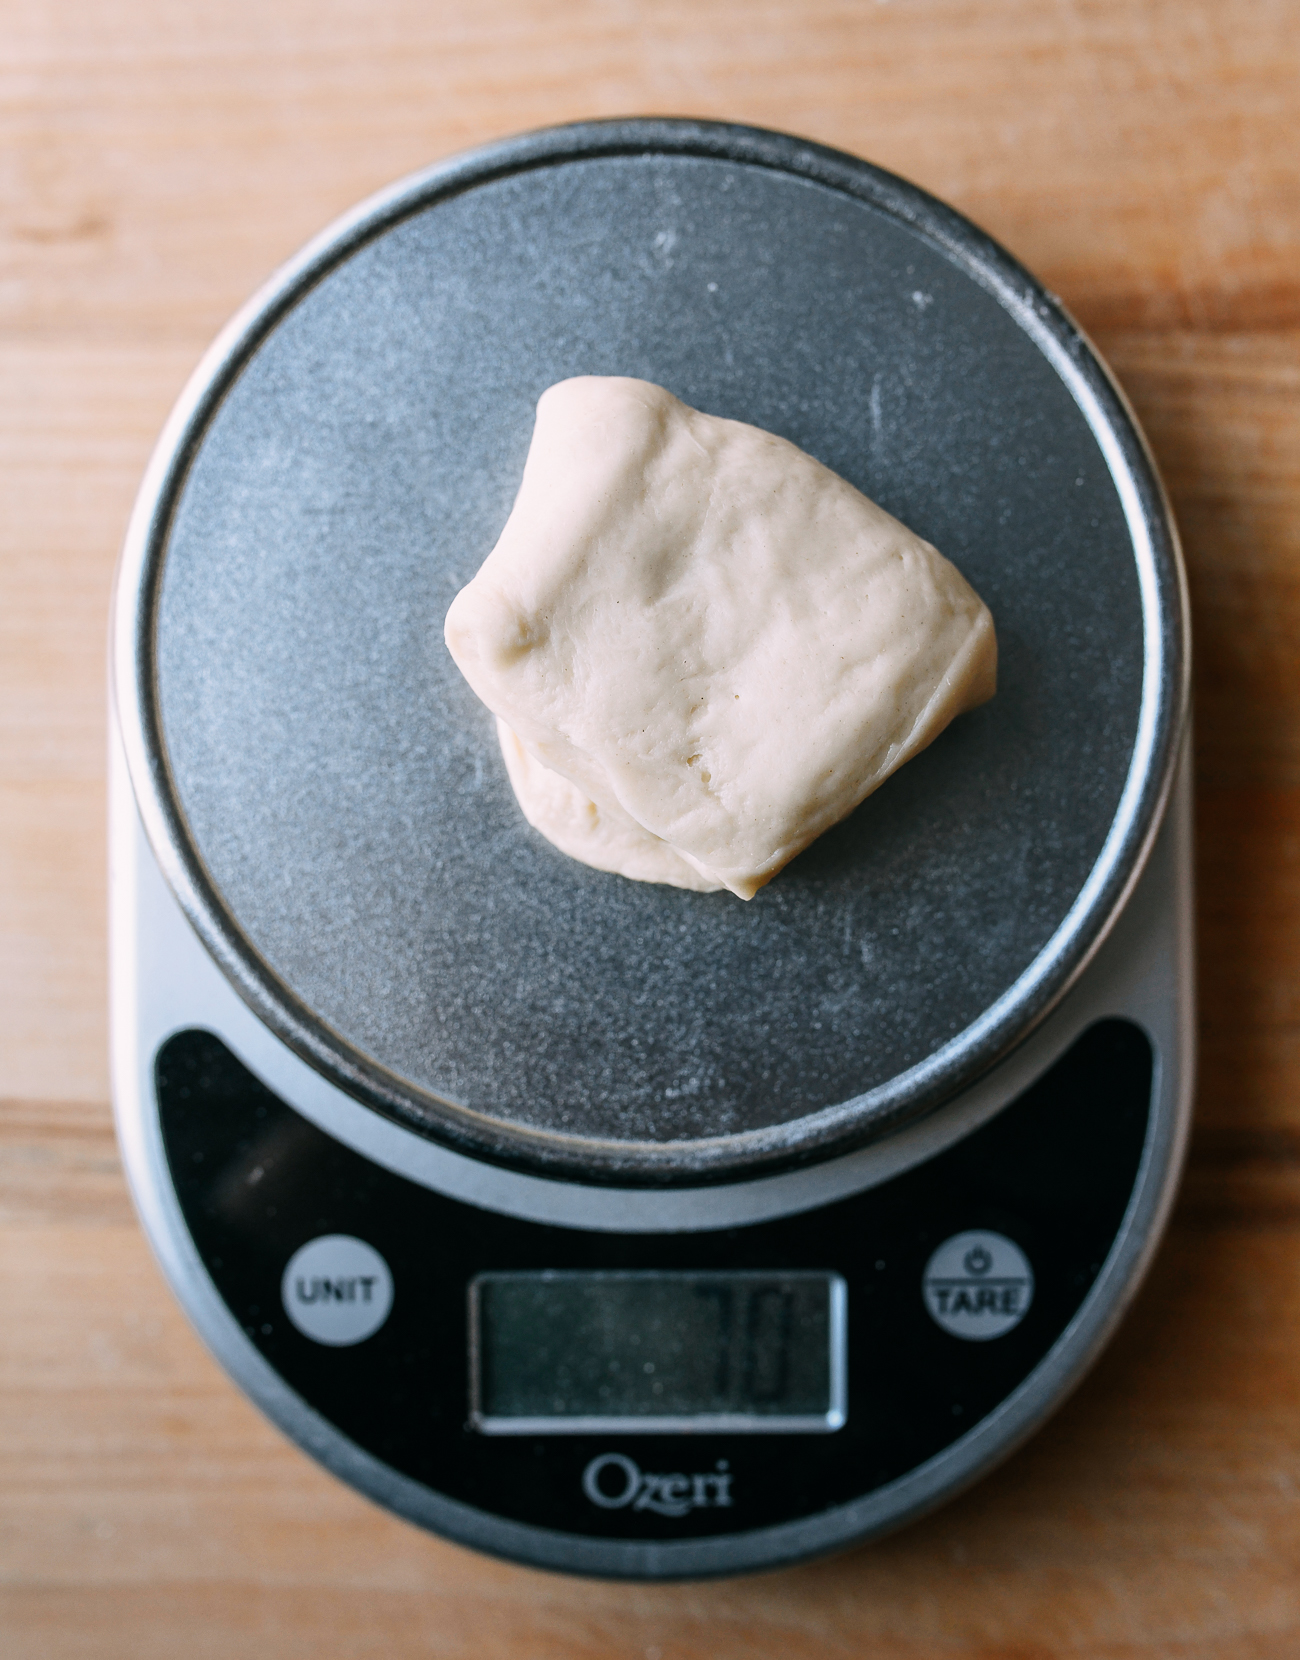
x=565 y=1352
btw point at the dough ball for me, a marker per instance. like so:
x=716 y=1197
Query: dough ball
x=708 y=633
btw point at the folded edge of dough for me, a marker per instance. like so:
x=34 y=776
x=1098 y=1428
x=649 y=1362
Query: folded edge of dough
x=970 y=680
x=603 y=836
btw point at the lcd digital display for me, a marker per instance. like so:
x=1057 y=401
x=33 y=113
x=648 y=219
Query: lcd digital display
x=569 y=1352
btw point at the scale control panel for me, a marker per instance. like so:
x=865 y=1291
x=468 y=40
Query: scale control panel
x=656 y=1386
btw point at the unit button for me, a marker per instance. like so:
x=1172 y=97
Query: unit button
x=337 y=1290
x=978 y=1285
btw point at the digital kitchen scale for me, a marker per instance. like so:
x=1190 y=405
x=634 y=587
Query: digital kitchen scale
x=610 y=1227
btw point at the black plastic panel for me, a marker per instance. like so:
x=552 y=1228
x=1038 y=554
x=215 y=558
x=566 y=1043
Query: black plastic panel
x=1053 y=1172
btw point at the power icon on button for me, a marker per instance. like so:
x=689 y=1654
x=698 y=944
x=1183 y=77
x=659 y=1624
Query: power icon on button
x=978 y=1285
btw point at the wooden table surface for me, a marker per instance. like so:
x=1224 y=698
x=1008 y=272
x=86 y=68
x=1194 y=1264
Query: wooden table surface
x=157 y=162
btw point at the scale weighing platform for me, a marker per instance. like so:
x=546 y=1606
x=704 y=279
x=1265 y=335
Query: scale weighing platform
x=607 y=1227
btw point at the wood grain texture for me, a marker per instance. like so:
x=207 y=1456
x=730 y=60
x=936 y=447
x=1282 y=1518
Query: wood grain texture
x=156 y=163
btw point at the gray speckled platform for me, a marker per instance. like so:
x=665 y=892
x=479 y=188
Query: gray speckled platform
x=343 y=787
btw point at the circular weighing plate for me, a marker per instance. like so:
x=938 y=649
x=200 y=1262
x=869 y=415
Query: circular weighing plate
x=326 y=795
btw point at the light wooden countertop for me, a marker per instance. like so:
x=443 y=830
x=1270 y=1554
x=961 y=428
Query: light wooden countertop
x=157 y=163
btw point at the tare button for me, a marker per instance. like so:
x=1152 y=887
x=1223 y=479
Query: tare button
x=337 y=1290
x=978 y=1285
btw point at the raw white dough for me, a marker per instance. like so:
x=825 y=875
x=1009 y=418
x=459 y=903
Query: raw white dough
x=709 y=634
x=605 y=837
